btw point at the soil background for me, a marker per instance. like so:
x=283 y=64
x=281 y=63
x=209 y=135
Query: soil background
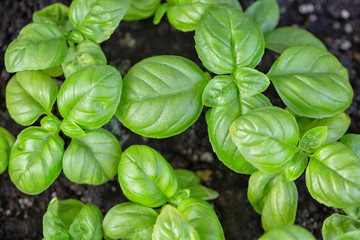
x=335 y=22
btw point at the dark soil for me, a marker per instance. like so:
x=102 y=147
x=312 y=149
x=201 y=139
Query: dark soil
x=335 y=22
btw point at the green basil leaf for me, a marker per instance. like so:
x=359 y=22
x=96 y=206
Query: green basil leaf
x=129 y=221
x=9 y=137
x=90 y=96
x=75 y=37
x=179 y=196
x=92 y=158
x=296 y=166
x=288 y=232
x=334 y=169
x=267 y=137
x=186 y=178
x=51 y=123
x=4 y=153
x=201 y=216
x=219 y=91
x=161 y=96
x=160 y=12
x=85 y=53
x=141 y=9
x=30 y=94
x=53 y=71
x=87 y=224
x=97 y=19
x=227 y=39
x=298 y=82
x=146 y=177
x=313 y=139
x=71 y=129
x=353 y=142
x=280 y=39
x=353 y=211
x=232 y=3
x=337 y=225
x=250 y=81
x=201 y=192
x=171 y=224
x=219 y=120
x=354 y=235
x=55 y=14
x=337 y=125
x=265 y=13
x=38 y=47
x=35 y=160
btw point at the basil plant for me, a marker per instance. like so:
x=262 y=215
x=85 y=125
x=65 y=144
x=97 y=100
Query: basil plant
x=64 y=41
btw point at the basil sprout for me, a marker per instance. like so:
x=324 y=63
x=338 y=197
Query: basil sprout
x=313 y=139
x=296 y=166
x=250 y=81
x=71 y=129
x=219 y=91
x=51 y=123
x=337 y=225
x=265 y=13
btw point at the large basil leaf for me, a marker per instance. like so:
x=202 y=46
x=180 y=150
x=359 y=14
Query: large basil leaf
x=161 y=96
x=85 y=53
x=219 y=91
x=30 y=94
x=4 y=153
x=313 y=139
x=38 y=47
x=288 y=232
x=280 y=39
x=313 y=84
x=201 y=216
x=90 y=96
x=219 y=120
x=35 y=160
x=92 y=158
x=296 y=166
x=129 y=221
x=274 y=197
x=227 y=39
x=265 y=13
x=353 y=142
x=267 y=137
x=250 y=81
x=336 y=125
x=146 y=177
x=337 y=225
x=97 y=19
x=141 y=9
x=55 y=14
x=332 y=176
x=171 y=224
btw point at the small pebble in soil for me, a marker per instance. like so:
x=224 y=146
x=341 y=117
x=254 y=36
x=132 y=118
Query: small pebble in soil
x=345 y=14
x=336 y=25
x=204 y=175
x=8 y=212
x=348 y=28
x=312 y=18
x=306 y=8
x=345 y=45
x=53 y=195
x=113 y=189
x=207 y=157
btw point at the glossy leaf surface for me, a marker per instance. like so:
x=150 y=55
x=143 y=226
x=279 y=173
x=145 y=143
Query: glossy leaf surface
x=38 y=47
x=55 y=14
x=4 y=153
x=51 y=123
x=35 y=160
x=267 y=137
x=227 y=39
x=353 y=211
x=146 y=177
x=141 y=9
x=250 y=81
x=313 y=139
x=161 y=96
x=298 y=82
x=353 y=142
x=97 y=19
x=129 y=221
x=334 y=168
x=296 y=167
x=337 y=225
x=30 y=94
x=288 y=232
x=90 y=96
x=219 y=91
x=92 y=158
x=71 y=129
x=9 y=137
x=265 y=13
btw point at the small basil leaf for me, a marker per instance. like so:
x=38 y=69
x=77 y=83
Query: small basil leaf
x=267 y=137
x=97 y=19
x=75 y=37
x=160 y=12
x=288 y=232
x=4 y=153
x=35 y=160
x=219 y=91
x=98 y=151
x=30 y=94
x=90 y=96
x=337 y=125
x=179 y=196
x=85 y=53
x=186 y=178
x=227 y=39
x=201 y=192
x=201 y=216
x=232 y=3
x=51 y=123
x=71 y=129
x=55 y=14
x=353 y=212
x=298 y=82
x=353 y=142
x=265 y=13
x=87 y=224
x=141 y=9
x=337 y=225
x=280 y=39
x=38 y=47
x=313 y=139
x=296 y=166
x=161 y=96
x=146 y=177
x=171 y=224
x=129 y=221
x=53 y=71
x=9 y=137
x=334 y=169
x=250 y=81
